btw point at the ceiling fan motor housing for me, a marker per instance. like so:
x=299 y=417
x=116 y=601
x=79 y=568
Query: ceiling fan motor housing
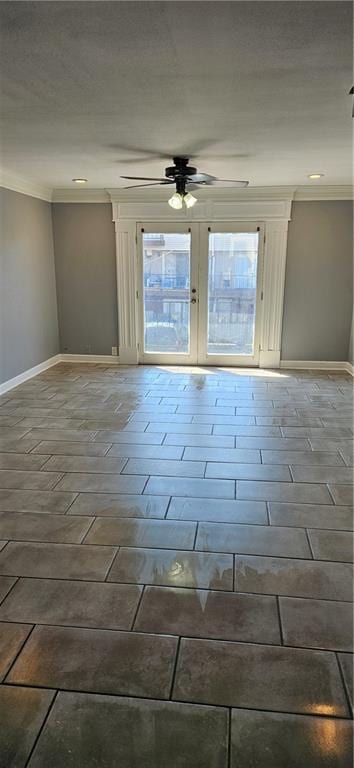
x=180 y=168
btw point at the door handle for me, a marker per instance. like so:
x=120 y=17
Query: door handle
x=193 y=301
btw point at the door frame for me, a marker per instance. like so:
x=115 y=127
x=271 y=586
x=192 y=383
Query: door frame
x=199 y=263
x=272 y=206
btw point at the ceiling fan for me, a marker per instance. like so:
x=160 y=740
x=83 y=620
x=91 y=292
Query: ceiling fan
x=186 y=178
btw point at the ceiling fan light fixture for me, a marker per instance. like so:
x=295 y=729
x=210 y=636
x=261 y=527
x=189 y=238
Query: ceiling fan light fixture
x=176 y=201
x=315 y=176
x=189 y=200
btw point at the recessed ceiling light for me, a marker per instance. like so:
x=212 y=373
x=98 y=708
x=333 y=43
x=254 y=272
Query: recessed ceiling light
x=315 y=175
x=80 y=181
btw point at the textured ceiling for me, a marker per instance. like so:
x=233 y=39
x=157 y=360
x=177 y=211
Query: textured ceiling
x=255 y=90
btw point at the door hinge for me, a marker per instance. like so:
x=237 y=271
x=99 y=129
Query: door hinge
x=137 y=294
x=136 y=239
x=264 y=240
x=261 y=295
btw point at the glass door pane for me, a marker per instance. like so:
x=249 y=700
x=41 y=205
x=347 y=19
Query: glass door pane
x=166 y=292
x=232 y=292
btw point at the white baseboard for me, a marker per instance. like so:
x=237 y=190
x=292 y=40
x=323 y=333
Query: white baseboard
x=269 y=359
x=106 y=359
x=11 y=383
x=320 y=365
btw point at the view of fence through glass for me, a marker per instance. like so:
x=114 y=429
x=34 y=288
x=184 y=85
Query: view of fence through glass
x=166 y=268
x=232 y=290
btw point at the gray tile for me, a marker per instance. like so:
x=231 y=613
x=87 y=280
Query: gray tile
x=209 y=614
x=307 y=623
x=259 y=676
x=14 y=433
x=297 y=578
x=12 y=637
x=69 y=435
x=247 y=471
x=191 y=429
x=244 y=431
x=305 y=493
x=311 y=515
x=6 y=582
x=289 y=421
x=204 y=441
x=162 y=467
x=119 y=505
x=308 y=458
x=330 y=444
x=342 y=494
x=51 y=422
x=218 y=510
x=346 y=665
x=72 y=603
x=105 y=483
x=95 y=730
x=252 y=539
x=175 y=486
x=16 y=445
x=237 y=421
x=21 y=461
x=157 y=416
x=31 y=526
x=100 y=661
x=16 y=479
x=176 y=568
x=88 y=464
x=273 y=443
x=67 y=448
x=57 y=561
x=141 y=438
x=278 y=740
x=309 y=474
x=146 y=451
x=317 y=432
x=332 y=545
x=23 y=711
x=35 y=501
x=222 y=454
x=165 y=534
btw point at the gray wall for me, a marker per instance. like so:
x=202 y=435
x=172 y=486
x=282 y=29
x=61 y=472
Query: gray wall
x=28 y=305
x=318 y=299
x=84 y=244
x=351 y=342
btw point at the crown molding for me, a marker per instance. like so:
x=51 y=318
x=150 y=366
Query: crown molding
x=308 y=192
x=322 y=192
x=276 y=193
x=24 y=186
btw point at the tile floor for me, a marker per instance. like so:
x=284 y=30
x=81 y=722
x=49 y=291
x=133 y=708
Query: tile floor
x=176 y=557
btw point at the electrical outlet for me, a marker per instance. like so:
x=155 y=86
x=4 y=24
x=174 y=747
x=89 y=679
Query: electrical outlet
x=115 y=351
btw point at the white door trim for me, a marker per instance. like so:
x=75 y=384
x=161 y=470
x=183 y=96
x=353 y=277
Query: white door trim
x=274 y=214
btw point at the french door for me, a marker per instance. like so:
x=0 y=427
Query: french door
x=199 y=293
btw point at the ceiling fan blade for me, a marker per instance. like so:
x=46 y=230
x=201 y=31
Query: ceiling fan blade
x=201 y=178
x=227 y=183
x=143 y=178
x=153 y=184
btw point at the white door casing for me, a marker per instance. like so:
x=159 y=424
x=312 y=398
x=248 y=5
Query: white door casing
x=273 y=214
